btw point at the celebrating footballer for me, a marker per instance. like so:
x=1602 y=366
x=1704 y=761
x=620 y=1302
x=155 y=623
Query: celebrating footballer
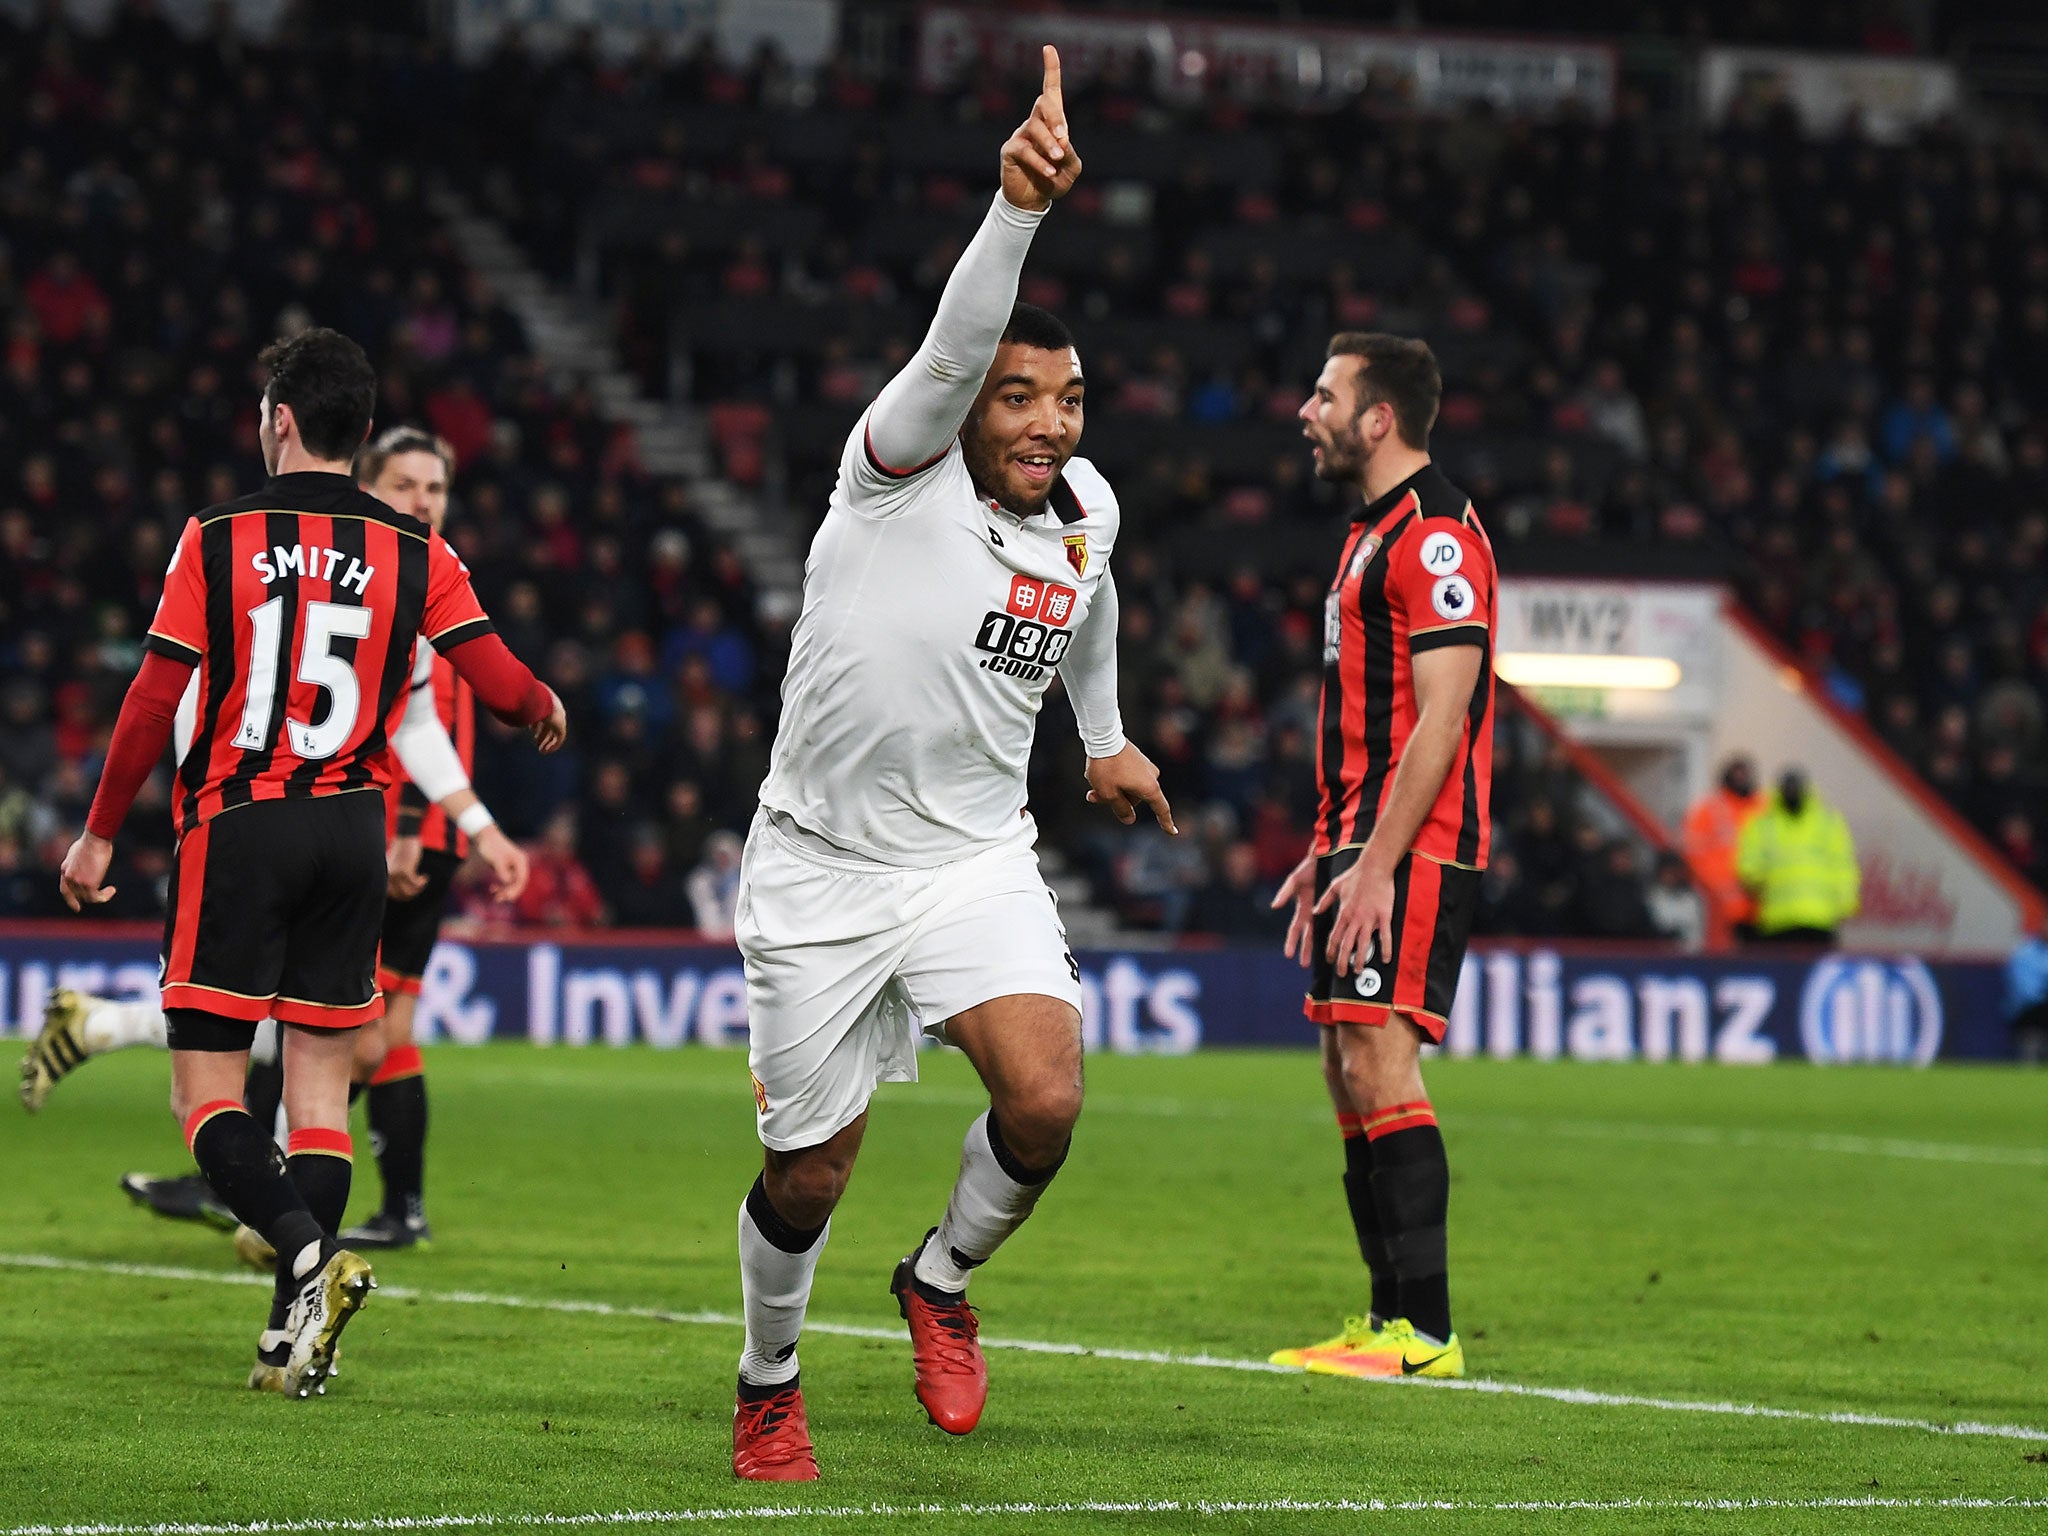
x=891 y=882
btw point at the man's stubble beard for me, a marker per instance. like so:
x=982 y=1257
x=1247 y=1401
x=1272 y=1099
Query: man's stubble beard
x=1348 y=470
x=1346 y=465
x=984 y=470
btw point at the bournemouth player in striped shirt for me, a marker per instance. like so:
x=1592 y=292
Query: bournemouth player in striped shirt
x=299 y=607
x=1382 y=905
x=409 y=470
x=432 y=817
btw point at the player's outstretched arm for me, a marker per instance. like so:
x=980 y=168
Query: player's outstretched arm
x=141 y=733
x=919 y=412
x=455 y=624
x=506 y=687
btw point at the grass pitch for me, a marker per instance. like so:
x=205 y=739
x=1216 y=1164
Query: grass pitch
x=1860 y=1242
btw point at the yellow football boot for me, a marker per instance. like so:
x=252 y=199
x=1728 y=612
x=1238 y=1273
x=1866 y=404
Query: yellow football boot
x=1397 y=1349
x=325 y=1301
x=1359 y=1333
x=59 y=1050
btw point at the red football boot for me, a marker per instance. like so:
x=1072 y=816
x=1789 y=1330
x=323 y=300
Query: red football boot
x=771 y=1442
x=952 y=1378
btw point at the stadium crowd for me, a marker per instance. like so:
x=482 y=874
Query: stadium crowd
x=1815 y=366
x=1801 y=366
x=167 y=206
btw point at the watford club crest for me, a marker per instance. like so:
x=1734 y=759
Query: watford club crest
x=1077 y=552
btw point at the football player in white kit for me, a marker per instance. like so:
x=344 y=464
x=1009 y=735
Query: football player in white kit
x=890 y=880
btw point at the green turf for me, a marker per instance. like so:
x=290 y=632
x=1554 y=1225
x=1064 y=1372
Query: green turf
x=1654 y=1231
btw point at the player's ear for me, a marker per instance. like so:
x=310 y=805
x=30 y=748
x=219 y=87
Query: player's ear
x=1382 y=421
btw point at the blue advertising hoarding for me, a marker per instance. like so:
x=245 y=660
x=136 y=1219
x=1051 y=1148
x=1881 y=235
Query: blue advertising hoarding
x=1545 y=1002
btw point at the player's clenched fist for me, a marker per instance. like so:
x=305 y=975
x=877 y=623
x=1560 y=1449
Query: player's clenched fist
x=1039 y=165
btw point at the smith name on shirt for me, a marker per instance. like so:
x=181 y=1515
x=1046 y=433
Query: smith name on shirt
x=305 y=560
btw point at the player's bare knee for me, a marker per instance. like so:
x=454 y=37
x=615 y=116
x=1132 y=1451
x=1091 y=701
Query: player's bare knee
x=197 y=1086
x=1379 y=1065
x=805 y=1187
x=1376 y=1085
x=371 y=1048
x=1334 y=1077
x=1039 y=1121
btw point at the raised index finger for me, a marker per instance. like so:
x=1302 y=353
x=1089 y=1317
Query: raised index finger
x=1055 y=104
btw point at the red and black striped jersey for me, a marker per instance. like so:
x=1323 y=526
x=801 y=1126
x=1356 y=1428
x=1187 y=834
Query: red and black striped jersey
x=299 y=606
x=455 y=704
x=1417 y=573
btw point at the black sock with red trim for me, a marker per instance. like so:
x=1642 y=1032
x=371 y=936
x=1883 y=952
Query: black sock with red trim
x=321 y=1165
x=247 y=1171
x=1365 y=1218
x=398 y=1130
x=1411 y=1187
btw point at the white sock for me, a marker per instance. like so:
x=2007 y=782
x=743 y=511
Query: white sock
x=111 y=1026
x=307 y=1261
x=988 y=1204
x=775 y=1285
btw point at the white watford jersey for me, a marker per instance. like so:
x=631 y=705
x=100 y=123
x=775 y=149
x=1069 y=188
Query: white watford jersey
x=932 y=624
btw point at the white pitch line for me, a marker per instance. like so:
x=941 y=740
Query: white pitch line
x=1577 y=1396
x=378 y=1523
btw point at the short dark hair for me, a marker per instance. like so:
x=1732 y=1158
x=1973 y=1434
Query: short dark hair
x=370 y=461
x=330 y=386
x=1031 y=326
x=1399 y=371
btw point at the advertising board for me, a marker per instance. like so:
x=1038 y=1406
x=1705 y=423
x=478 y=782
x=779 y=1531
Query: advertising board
x=1535 y=1001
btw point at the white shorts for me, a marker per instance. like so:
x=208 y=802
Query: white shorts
x=846 y=960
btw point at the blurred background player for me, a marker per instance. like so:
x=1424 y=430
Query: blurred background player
x=1383 y=904
x=299 y=606
x=891 y=875
x=410 y=471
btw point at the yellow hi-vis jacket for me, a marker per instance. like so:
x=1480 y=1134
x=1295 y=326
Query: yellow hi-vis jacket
x=1802 y=866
